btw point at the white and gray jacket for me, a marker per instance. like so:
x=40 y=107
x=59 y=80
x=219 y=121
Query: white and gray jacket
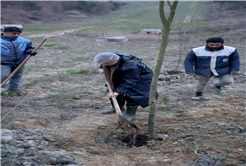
x=203 y=61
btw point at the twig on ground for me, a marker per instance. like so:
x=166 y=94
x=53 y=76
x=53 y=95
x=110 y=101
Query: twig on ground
x=18 y=103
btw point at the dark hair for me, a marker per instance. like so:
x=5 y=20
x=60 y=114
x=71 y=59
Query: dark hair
x=215 y=40
x=11 y=30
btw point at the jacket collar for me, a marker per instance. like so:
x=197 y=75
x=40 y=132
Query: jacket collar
x=208 y=49
x=7 y=38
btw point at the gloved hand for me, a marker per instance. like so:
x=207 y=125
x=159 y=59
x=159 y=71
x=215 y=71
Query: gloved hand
x=33 y=53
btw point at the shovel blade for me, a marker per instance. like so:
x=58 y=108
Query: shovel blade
x=127 y=121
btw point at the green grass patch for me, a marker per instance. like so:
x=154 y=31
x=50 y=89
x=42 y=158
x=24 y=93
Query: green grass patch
x=31 y=104
x=12 y=94
x=76 y=71
x=131 y=18
x=50 y=45
x=27 y=69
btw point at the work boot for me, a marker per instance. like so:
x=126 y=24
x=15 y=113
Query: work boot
x=130 y=112
x=197 y=96
x=121 y=103
x=18 y=92
x=4 y=92
x=220 y=89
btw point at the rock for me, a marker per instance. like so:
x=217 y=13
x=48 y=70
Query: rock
x=161 y=136
x=49 y=138
x=120 y=131
x=62 y=157
x=4 y=153
x=181 y=135
x=220 y=124
x=162 y=83
x=215 y=111
x=228 y=132
x=44 y=143
x=6 y=135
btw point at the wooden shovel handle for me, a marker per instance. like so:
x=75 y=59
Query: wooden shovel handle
x=116 y=105
x=27 y=58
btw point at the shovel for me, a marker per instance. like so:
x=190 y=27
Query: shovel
x=117 y=108
x=27 y=58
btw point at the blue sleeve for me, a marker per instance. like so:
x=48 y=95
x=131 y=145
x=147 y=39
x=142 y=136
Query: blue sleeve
x=189 y=61
x=29 y=48
x=235 y=63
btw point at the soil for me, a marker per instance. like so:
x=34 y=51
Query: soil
x=212 y=129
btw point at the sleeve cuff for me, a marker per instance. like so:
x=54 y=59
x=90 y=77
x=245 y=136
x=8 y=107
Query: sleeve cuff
x=232 y=72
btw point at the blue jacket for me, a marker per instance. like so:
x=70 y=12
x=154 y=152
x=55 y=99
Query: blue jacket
x=133 y=78
x=203 y=61
x=14 y=51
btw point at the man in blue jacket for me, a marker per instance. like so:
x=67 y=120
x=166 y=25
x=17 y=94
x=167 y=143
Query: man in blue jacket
x=130 y=80
x=14 y=50
x=214 y=59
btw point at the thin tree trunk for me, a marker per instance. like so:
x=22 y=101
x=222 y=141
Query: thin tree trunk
x=152 y=99
x=165 y=34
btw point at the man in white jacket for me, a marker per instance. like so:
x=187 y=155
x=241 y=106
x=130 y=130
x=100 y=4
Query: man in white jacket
x=214 y=59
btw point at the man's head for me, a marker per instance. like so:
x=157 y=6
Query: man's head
x=12 y=32
x=214 y=43
x=106 y=58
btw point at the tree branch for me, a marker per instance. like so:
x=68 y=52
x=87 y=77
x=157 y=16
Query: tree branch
x=172 y=12
x=169 y=4
x=162 y=14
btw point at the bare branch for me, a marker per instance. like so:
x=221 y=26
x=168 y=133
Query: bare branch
x=169 y=4
x=162 y=14
x=172 y=12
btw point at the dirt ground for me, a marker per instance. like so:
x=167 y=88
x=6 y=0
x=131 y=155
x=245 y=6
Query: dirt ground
x=70 y=104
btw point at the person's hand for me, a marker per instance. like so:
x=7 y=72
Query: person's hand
x=101 y=71
x=32 y=53
x=115 y=94
x=191 y=74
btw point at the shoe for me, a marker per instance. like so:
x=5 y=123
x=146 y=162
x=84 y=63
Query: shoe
x=121 y=103
x=219 y=89
x=130 y=112
x=111 y=111
x=18 y=92
x=4 y=92
x=197 y=96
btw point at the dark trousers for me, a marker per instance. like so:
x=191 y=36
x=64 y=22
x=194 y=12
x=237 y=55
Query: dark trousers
x=129 y=101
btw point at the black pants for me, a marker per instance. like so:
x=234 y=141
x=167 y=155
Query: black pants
x=129 y=101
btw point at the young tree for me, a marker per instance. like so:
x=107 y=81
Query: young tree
x=165 y=34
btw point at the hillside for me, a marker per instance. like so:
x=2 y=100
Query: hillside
x=34 y=12
x=59 y=121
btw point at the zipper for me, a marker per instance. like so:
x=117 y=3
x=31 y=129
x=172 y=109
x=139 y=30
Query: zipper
x=15 y=52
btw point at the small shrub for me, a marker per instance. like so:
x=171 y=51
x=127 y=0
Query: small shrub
x=165 y=99
x=116 y=5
